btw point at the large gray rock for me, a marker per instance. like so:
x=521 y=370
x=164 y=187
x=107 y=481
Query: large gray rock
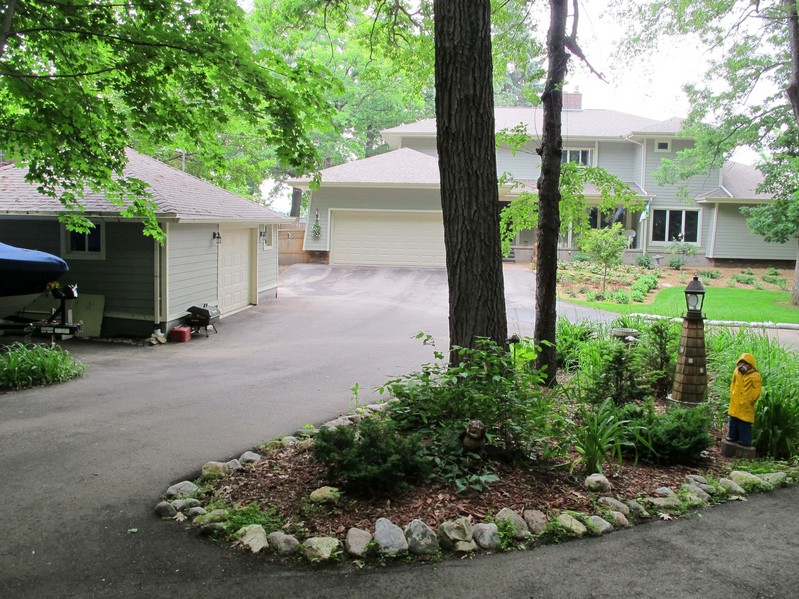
x=283 y=544
x=731 y=487
x=253 y=537
x=356 y=543
x=775 y=479
x=597 y=525
x=389 y=538
x=249 y=457
x=750 y=482
x=165 y=510
x=338 y=422
x=671 y=502
x=320 y=549
x=234 y=465
x=186 y=504
x=697 y=491
x=421 y=538
x=193 y=512
x=663 y=492
x=465 y=546
x=571 y=525
x=619 y=520
x=486 y=535
x=451 y=532
x=637 y=510
x=536 y=521
x=185 y=488
x=695 y=479
x=614 y=505
x=520 y=530
x=597 y=483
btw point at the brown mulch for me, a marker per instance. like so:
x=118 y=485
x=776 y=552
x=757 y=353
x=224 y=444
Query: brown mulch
x=286 y=477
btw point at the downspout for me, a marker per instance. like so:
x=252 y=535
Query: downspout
x=156 y=285
x=644 y=227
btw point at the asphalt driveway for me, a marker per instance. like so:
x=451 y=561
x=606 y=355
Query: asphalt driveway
x=81 y=464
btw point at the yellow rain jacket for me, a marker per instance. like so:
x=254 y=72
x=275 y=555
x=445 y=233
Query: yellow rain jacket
x=744 y=390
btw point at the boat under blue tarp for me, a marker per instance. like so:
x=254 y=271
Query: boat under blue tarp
x=24 y=275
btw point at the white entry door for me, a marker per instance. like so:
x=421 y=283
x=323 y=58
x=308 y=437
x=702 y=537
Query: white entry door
x=235 y=280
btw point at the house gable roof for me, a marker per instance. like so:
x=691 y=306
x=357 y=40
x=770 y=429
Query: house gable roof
x=400 y=168
x=178 y=195
x=738 y=182
x=577 y=124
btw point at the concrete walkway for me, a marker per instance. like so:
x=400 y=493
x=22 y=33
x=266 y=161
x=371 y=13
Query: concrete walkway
x=82 y=464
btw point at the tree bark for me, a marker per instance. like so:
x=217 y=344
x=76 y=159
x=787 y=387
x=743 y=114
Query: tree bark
x=296 y=202
x=792 y=92
x=795 y=288
x=5 y=32
x=549 y=191
x=467 y=163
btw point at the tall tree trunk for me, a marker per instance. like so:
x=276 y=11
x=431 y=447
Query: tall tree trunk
x=793 y=95
x=546 y=264
x=467 y=162
x=296 y=202
x=795 y=288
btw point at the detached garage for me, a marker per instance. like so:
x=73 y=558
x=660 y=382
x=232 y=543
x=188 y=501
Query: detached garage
x=219 y=248
x=387 y=238
x=380 y=211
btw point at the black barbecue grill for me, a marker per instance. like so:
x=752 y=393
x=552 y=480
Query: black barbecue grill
x=202 y=317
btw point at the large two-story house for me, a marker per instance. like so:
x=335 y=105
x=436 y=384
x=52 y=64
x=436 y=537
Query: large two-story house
x=386 y=209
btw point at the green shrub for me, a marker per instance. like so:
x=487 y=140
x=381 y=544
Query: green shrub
x=638 y=296
x=23 y=366
x=781 y=282
x=598 y=435
x=373 y=461
x=677 y=262
x=657 y=348
x=708 y=274
x=772 y=272
x=612 y=370
x=237 y=518
x=744 y=279
x=580 y=257
x=776 y=428
x=748 y=271
x=621 y=297
x=569 y=338
x=676 y=437
x=644 y=261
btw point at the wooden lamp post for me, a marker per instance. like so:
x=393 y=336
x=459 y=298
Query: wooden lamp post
x=690 y=380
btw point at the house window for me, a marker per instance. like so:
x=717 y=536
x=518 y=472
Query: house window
x=85 y=246
x=598 y=219
x=663 y=146
x=576 y=155
x=675 y=225
x=266 y=233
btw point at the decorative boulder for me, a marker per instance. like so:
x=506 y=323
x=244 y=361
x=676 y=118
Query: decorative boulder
x=288 y=441
x=614 y=505
x=234 y=465
x=597 y=525
x=750 y=482
x=320 y=548
x=389 y=538
x=520 y=531
x=253 y=537
x=571 y=525
x=357 y=542
x=486 y=535
x=620 y=520
x=695 y=479
x=598 y=483
x=637 y=510
x=325 y=495
x=695 y=490
x=186 y=504
x=182 y=489
x=196 y=511
x=775 y=479
x=451 y=532
x=731 y=486
x=536 y=521
x=283 y=544
x=664 y=492
x=249 y=457
x=421 y=538
x=671 y=502
x=165 y=510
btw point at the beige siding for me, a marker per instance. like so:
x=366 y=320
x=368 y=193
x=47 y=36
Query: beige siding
x=267 y=263
x=735 y=240
x=191 y=267
x=323 y=200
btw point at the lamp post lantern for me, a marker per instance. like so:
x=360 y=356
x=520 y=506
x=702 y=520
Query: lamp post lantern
x=690 y=378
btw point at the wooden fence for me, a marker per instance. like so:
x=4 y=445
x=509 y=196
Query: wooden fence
x=289 y=244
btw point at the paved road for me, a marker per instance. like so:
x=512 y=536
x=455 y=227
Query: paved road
x=81 y=464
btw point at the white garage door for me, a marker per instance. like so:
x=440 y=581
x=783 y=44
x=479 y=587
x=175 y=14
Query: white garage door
x=387 y=238
x=234 y=269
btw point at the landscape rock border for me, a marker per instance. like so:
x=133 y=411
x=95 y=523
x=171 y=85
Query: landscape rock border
x=506 y=530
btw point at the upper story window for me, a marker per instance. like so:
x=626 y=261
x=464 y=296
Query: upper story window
x=576 y=155
x=663 y=146
x=86 y=246
x=675 y=225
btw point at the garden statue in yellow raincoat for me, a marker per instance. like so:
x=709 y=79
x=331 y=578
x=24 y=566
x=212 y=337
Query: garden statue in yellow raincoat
x=744 y=392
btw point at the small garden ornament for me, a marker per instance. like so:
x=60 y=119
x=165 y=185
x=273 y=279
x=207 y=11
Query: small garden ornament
x=744 y=392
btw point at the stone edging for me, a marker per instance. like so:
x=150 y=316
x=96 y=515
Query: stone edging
x=507 y=529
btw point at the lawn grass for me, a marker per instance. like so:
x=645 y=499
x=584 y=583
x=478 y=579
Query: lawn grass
x=721 y=303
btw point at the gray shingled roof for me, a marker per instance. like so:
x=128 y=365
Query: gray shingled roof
x=179 y=196
x=588 y=123
x=738 y=182
x=400 y=168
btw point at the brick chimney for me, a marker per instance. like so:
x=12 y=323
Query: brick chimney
x=572 y=101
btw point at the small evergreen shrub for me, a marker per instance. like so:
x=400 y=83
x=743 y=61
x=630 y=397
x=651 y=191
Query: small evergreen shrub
x=637 y=296
x=581 y=257
x=373 y=461
x=644 y=261
x=780 y=282
x=677 y=262
x=676 y=437
x=616 y=372
x=621 y=297
x=744 y=279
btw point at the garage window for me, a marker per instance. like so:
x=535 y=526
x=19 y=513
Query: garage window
x=85 y=246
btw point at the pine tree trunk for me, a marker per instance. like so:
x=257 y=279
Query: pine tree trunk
x=546 y=266
x=467 y=163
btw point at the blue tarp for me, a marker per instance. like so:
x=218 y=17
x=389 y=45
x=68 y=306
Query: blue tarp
x=19 y=259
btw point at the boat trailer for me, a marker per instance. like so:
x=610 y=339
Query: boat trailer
x=56 y=324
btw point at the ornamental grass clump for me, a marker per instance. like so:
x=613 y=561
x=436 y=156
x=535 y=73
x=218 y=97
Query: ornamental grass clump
x=23 y=366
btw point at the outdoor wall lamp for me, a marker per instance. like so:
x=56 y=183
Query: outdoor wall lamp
x=217 y=236
x=262 y=233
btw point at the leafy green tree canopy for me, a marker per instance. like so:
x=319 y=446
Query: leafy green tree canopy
x=80 y=81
